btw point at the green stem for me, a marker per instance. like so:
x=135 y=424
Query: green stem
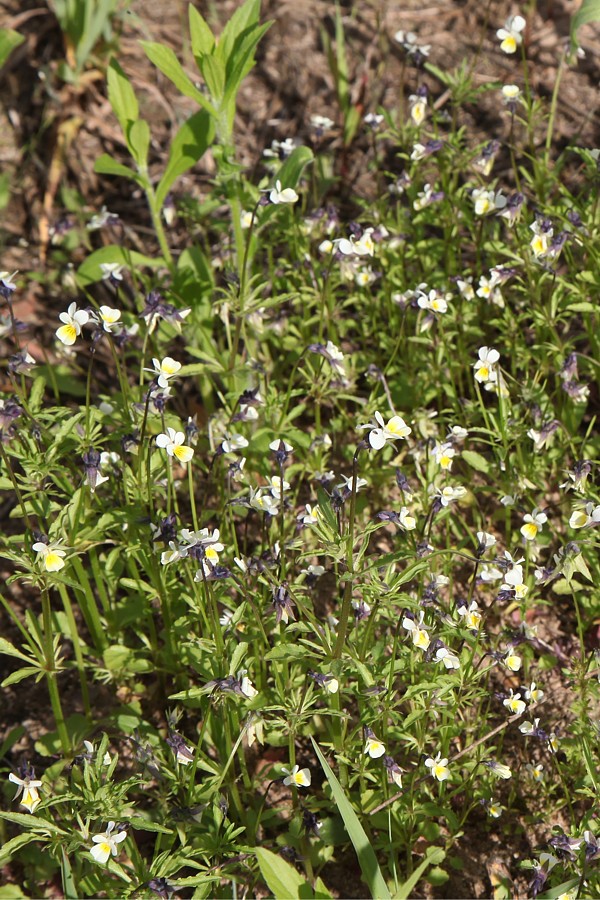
x=347 y=600
x=51 y=673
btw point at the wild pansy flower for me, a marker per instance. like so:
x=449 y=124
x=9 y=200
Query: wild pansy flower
x=485 y=541
x=514 y=703
x=533 y=693
x=510 y=34
x=433 y=301
x=108 y=317
x=486 y=202
x=21 y=363
x=282 y=605
x=417 y=105
x=512 y=661
x=91 y=753
x=394 y=772
x=408 y=42
x=164 y=369
x=373 y=746
x=74 y=319
x=296 y=776
x=542 y=236
x=484 y=163
x=438 y=767
x=494 y=809
x=278 y=486
x=373 y=120
x=362 y=246
x=7 y=285
x=99 y=220
x=485 y=370
x=27 y=789
x=512 y=210
x=311 y=516
x=361 y=608
x=426 y=197
x=328 y=682
x=444 y=455
x=444 y=655
x=450 y=494
x=107 y=843
x=534 y=522
x=532 y=729
x=184 y=755
x=51 y=555
x=112 y=272
x=585 y=518
x=366 y=276
x=280 y=149
x=489 y=289
x=321 y=123
x=172 y=442
x=471 y=614
x=279 y=195
x=281 y=450
x=416 y=629
x=381 y=433
x=511 y=94
x=497 y=769
x=536 y=772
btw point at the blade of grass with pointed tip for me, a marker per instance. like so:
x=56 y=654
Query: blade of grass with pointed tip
x=364 y=851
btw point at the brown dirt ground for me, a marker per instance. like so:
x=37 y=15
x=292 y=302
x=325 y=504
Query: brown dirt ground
x=291 y=82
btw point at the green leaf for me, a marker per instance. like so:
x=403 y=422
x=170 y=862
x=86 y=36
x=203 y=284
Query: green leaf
x=33 y=824
x=287 y=651
x=8 y=850
x=9 y=649
x=238 y=657
x=138 y=141
x=213 y=72
x=105 y=165
x=20 y=675
x=9 y=41
x=433 y=857
x=164 y=59
x=188 y=146
x=245 y=16
x=282 y=879
x=290 y=172
x=68 y=882
x=476 y=461
x=202 y=38
x=89 y=272
x=242 y=60
x=364 y=851
x=122 y=97
x=589 y=11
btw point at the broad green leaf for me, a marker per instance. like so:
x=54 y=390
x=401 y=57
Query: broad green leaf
x=290 y=172
x=213 y=72
x=138 y=141
x=8 y=850
x=476 y=461
x=238 y=657
x=188 y=146
x=246 y=15
x=367 y=859
x=121 y=95
x=68 y=882
x=433 y=857
x=105 y=165
x=202 y=38
x=34 y=824
x=242 y=60
x=90 y=272
x=589 y=11
x=282 y=879
x=164 y=59
x=9 y=41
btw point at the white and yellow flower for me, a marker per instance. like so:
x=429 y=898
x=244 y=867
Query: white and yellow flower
x=395 y=429
x=172 y=442
x=297 y=776
x=438 y=767
x=51 y=556
x=27 y=789
x=74 y=319
x=510 y=35
x=106 y=844
x=533 y=524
